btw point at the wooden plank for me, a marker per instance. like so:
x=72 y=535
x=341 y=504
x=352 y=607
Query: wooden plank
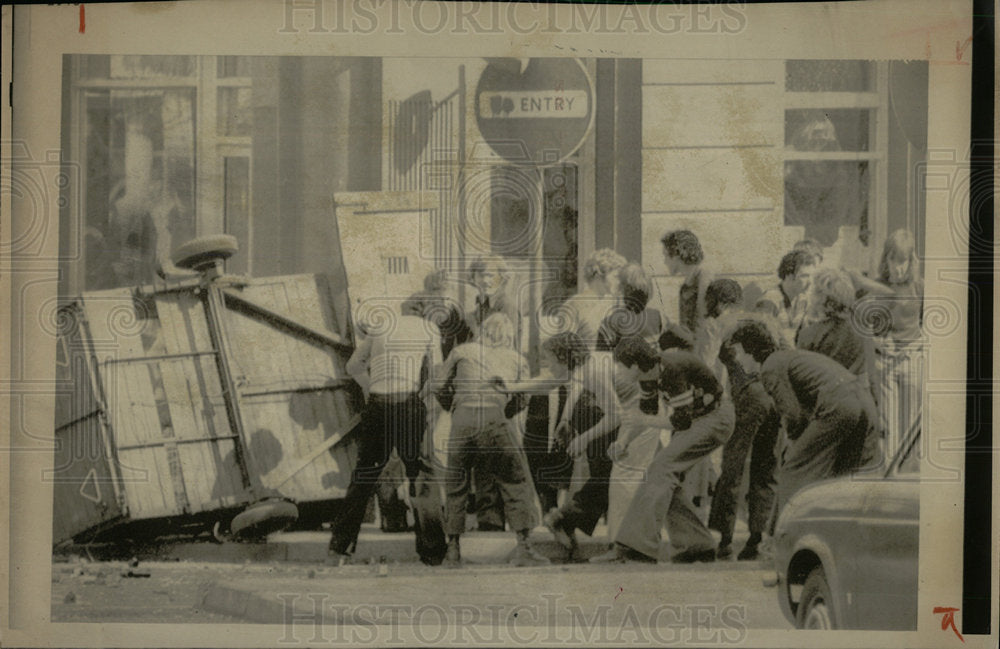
x=712 y=71
x=711 y=180
x=116 y=326
x=711 y=116
x=764 y=233
x=83 y=495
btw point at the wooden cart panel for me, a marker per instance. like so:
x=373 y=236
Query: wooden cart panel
x=160 y=377
x=156 y=409
x=297 y=402
x=85 y=489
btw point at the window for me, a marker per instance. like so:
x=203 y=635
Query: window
x=164 y=140
x=832 y=151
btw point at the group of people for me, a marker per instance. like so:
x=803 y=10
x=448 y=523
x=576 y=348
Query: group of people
x=636 y=417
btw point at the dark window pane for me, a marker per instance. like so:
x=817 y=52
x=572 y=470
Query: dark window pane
x=559 y=236
x=237 y=209
x=827 y=130
x=513 y=210
x=233 y=66
x=829 y=76
x=825 y=195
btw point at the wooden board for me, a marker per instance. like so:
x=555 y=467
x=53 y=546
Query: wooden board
x=85 y=490
x=293 y=396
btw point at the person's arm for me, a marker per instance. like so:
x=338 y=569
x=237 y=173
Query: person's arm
x=870 y=286
x=607 y=399
x=439 y=375
x=541 y=384
x=776 y=382
x=357 y=366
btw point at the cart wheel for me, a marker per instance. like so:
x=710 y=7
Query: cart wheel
x=218 y=534
x=204 y=251
x=260 y=519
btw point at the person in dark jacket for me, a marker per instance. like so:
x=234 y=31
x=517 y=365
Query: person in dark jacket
x=828 y=413
x=755 y=435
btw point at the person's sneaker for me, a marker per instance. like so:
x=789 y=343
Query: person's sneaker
x=526 y=555
x=453 y=555
x=724 y=552
x=748 y=553
x=553 y=521
x=337 y=559
x=615 y=555
x=622 y=554
x=694 y=556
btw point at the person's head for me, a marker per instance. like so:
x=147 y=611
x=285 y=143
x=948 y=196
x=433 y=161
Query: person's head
x=488 y=274
x=497 y=331
x=636 y=287
x=795 y=271
x=721 y=296
x=436 y=281
x=811 y=246
x=564 y=352
x=676 y=337
x=749 y=344
x=681 y=250
x=899 y=258
x=601 y=271
x=636 y=356
x=832 y=294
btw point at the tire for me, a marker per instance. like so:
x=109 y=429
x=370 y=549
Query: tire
x=260 y=519
x=204 y=250
x=816 y=608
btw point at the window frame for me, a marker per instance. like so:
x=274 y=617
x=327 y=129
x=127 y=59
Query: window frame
x=877 y=102
x=210 y=151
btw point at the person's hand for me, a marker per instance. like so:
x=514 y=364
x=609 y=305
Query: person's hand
x=576 y=447
x=631 y=419
x=617 y=451
x=563 y=434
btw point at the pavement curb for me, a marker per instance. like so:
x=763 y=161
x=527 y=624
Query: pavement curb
x=242 y=604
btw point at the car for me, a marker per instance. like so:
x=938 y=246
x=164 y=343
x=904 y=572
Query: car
x=845 y=550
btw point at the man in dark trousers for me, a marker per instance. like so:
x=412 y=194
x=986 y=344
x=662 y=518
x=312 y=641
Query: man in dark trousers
x=755 y=435
x=390 y=364
x=701 y=421
x=829 y=416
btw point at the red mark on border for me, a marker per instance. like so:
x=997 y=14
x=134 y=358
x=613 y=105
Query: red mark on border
x=83 y=19
x=620 y=591
x=949 y=619
x=961 y=47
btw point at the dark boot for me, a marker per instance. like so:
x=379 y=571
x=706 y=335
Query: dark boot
x=725 y=548
x=526 y=555
x=749 y=551
x=554 y=521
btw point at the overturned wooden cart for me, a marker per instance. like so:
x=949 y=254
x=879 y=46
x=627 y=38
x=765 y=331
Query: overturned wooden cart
x=210 y=401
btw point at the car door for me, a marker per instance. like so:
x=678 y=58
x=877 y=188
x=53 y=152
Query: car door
x=888 y=556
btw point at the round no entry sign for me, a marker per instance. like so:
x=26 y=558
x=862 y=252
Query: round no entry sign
x=539 y=113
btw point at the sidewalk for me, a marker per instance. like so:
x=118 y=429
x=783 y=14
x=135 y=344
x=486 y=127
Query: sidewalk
x=311 y=547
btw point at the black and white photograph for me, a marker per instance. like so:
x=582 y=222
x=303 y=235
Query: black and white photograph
x=364 y=323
